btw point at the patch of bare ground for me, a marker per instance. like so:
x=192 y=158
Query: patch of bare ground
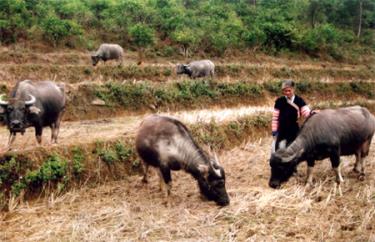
x=129 y=210
x=88 y=131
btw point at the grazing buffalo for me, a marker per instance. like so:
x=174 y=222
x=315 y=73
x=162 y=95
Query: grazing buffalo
x=108 y=52
x=167 y=144
x=327 y=134
x=195 y=69
x=36 y=104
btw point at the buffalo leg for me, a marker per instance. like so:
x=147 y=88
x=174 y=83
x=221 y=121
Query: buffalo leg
x=55 y=128
x=145 y=175
x=165 y=174
x=359 y=163
x=12 y=137
x=38 y=134
x=310 y=167
x=335 y=160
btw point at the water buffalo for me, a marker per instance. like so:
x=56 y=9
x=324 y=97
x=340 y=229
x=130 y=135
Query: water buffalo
x=36 y=104
x=108 y=52
x=327 y=134
x=195 y=69
x=167 y=144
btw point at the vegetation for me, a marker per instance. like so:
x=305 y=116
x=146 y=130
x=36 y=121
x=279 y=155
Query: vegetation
x=215 y=27
x=135 y=96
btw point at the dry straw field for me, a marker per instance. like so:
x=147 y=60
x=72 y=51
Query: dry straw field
x=125 y=209
x=128 y=210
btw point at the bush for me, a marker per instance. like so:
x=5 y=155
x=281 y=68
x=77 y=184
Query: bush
x=279 y=35
x=56 y=30
x=78 y=158
x=54 y=169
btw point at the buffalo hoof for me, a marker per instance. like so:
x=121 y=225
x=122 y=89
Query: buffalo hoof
x=361 y=176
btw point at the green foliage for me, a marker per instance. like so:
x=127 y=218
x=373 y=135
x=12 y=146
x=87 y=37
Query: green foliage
x=142 y=35
x=240 y=89
x=17 y=187
x=9 y=169
x=55 y=29
x=14 y=20
x=208 y=26
x=273 y=86
x=123 y=152
x=109 y=156
x=78 y=159
x=364 y=88
x=54 y=168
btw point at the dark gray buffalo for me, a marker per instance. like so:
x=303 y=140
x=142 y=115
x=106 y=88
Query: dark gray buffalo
x=108 y=52
x=38 y=104
x=327 y=134
x=195 y=69
x=166 y=143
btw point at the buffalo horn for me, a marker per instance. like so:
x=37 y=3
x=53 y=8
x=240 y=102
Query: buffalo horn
x=1 y=100
x=292 y=157
x=31 y=101
x=213 y=162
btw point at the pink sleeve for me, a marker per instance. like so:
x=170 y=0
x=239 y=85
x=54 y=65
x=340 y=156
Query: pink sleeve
x=275 y=120
x=305 y=111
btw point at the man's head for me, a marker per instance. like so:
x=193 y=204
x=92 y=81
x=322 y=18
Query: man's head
x=288 y=88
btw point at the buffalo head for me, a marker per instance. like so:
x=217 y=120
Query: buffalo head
x=182 y=69
x=212 y=183
x=15 y=112
x=95 y=59
x=282 y=167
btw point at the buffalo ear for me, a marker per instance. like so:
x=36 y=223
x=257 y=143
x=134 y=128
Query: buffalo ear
x=34 y=110
x=204 y=169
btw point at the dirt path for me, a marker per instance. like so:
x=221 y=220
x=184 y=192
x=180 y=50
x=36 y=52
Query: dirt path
x=127 y=210
x=87 y=131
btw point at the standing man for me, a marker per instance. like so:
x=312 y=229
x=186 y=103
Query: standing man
x=287 y=110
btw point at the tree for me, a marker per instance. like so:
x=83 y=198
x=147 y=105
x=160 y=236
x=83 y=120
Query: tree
x=142 y=36
x=360 y=18
x=14 y=20
x=187 y=38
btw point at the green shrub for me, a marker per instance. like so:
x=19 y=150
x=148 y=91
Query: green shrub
x=9 y=170
x=54 y=168
x=78 y=158
x=273 y=86
x=17 y=187
x=364 y=88
x=123 y=152
x=56 y=30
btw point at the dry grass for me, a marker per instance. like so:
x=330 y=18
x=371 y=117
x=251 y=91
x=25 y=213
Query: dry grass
x=130 y=211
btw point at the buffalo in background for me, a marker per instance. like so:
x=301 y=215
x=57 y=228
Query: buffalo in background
x=34 y=104
x=108 y=52
x=195 y=69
